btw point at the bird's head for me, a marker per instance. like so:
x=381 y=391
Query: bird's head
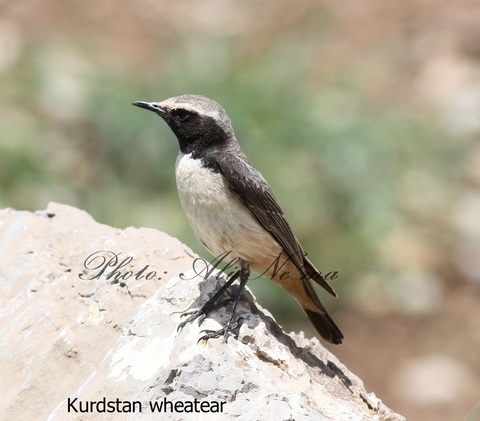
x=197 y=121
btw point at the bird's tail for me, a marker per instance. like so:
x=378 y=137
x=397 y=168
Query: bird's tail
x=315 y=311
x=324 y=325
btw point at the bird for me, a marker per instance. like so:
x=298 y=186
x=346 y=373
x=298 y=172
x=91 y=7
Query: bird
x=232 y=209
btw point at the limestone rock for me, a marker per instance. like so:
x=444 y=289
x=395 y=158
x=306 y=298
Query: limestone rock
x=89 y=317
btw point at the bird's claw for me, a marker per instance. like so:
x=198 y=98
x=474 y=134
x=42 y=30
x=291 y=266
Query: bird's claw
x=225 y=331
x=201 y=314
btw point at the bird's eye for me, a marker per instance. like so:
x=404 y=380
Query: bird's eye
x=182 y=115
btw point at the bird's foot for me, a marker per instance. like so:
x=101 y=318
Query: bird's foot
x=211 y=304
x=229 y=328
x=201 y=313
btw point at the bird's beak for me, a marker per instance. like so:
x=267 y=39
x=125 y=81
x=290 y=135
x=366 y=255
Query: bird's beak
x=151 y=106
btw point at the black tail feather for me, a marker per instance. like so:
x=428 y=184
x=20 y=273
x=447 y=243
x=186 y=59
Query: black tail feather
x=316 y=276
x=325 y=326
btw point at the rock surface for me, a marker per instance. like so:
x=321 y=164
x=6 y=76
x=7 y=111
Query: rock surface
x=88 y=320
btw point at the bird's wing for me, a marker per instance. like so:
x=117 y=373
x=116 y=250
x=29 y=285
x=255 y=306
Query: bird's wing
x=254 y=192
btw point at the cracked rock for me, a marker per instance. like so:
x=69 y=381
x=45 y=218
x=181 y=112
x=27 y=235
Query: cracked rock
x=89 y=315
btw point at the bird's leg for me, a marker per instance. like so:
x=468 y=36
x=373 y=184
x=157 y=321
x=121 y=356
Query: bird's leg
x=209 y=334
x=210 y=304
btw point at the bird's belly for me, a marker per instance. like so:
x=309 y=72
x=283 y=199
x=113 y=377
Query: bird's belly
x=220 y=221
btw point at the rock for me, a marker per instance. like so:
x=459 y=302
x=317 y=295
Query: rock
x=88 y=323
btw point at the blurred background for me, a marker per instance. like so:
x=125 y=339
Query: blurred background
x=363 y=116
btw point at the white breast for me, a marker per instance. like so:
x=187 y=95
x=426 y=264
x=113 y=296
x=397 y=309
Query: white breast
x=220 y=221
